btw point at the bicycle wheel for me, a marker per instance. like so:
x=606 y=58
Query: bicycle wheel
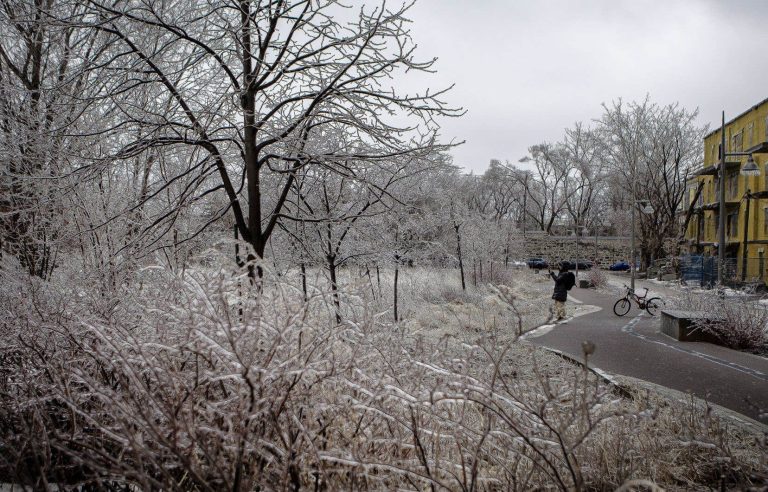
x=622 y=307
x=653 y=305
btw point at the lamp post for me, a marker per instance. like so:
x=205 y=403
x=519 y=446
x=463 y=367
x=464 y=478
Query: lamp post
x=750 y=169
x=576 y=237
x=647 y=209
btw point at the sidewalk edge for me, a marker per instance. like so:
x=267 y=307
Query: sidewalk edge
x=622 y=385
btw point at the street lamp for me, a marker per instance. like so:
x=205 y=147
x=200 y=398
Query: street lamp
x=749 y=169
x=647 y=209
x=576 y=237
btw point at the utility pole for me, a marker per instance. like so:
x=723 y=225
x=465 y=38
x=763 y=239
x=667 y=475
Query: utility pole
x=721 y=218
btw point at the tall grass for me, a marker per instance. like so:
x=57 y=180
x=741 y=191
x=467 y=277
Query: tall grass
x=194 y=380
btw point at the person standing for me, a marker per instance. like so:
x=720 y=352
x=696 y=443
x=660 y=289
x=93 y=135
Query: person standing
x=564 y=281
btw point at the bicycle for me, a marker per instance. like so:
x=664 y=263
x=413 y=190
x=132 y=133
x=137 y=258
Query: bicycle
x=651 y=305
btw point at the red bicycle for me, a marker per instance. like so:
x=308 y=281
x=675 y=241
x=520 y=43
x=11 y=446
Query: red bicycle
x=652 y=305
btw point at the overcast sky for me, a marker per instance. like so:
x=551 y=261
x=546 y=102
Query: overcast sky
x=526 y=70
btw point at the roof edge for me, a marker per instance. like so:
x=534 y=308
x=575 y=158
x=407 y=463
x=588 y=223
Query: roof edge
x=751 y=108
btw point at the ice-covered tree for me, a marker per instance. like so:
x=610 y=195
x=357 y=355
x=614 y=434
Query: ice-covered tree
x=248 y=84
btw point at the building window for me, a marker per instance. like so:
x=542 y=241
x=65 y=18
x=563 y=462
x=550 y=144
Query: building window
x=732 y=184
x=765 y=220
x=732 y=225
x=750 y=135
x=765 y=173
x=737 y=141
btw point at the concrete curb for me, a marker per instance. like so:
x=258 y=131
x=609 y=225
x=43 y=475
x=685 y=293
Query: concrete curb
x=606 y=377
x=682 y=397
x=625 y=386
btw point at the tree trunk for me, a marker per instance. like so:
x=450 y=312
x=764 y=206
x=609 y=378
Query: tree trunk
x=458 y=251
x=304 y=281
x=397 y=274
x=334 y=286
x=370 y=281
x=239 y=263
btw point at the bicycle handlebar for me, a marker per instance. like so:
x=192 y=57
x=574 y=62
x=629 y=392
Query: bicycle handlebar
x=629 y=289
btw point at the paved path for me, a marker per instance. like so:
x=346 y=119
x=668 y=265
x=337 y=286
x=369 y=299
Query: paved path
x=634 y=346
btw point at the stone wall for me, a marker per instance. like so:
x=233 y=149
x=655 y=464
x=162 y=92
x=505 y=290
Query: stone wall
x=557 y=248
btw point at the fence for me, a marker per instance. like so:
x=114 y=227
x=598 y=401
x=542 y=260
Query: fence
x=752 y=270
x=702 y=270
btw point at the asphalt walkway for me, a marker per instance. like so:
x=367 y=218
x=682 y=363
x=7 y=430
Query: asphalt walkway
x=633 y=346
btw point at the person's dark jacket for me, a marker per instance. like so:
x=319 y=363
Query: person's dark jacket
x=562 y=281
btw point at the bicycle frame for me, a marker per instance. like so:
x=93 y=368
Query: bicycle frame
x=631 y=295
x=624 y=304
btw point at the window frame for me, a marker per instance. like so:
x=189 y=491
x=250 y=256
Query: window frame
x=732 y=225
x=732 y=184
x=737 y=141
x=765 y=220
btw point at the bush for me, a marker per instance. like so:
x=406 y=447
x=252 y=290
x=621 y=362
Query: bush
x=597 y=278
x=738 y=321
x=193 y=381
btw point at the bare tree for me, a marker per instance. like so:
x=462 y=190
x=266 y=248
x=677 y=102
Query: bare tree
x=547 y=189
x=653 y=149
x=588 y=175
x=505 y=190
x=249 y=83
x=335 y=211
x=40 y=83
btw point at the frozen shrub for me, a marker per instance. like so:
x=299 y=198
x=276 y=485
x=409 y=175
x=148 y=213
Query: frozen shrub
x=457 y=295
x=738 y=321
x=597 y=278
x=503 y=276
x=193 y=381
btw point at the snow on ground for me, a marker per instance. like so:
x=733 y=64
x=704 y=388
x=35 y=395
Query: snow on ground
x=663 y=288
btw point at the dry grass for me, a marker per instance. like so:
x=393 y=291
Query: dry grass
x=598 y=278
x=193 y=382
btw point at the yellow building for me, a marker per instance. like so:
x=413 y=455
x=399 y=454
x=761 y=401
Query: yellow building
x=746 y=237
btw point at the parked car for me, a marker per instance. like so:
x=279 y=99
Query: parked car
x=619 y=266
x=583 y=264
x=517 y=263
x=537 y=263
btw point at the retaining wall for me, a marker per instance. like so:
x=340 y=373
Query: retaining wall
x=554 y=249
